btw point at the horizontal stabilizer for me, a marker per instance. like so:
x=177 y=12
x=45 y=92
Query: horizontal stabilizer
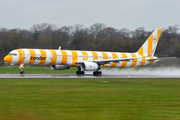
x=165 y=58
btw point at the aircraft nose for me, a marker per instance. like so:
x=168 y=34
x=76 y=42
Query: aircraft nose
x=8 y=58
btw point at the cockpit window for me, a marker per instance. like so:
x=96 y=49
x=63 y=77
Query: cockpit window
x=14 y=54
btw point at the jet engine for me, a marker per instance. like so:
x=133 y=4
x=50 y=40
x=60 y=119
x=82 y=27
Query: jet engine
x=59 y=67
x=90 y=66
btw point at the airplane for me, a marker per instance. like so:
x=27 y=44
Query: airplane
x=86 y=60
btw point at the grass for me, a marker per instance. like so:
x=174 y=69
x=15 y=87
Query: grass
x=89 y=99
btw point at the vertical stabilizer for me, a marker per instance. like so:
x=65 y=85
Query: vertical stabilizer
x=149 y=47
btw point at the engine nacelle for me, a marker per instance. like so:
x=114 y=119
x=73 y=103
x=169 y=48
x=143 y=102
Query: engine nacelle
x=59 y=67
x=90 y=66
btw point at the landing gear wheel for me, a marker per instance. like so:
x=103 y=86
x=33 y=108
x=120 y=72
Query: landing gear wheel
x=80 y=72
x=21 y=72
x=97 y=73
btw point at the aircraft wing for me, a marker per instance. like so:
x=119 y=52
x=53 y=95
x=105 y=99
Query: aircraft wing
x=105 y=61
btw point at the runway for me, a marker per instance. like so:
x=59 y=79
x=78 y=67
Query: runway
x=85 y=76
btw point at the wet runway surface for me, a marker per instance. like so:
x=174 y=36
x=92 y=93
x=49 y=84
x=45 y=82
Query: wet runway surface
x=85 y=76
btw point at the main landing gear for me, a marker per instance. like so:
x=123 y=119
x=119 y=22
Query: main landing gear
x=97 y=73
x=81 y=72
x=21 y=66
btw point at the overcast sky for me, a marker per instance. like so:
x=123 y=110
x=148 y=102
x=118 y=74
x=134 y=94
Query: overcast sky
x=129 y=14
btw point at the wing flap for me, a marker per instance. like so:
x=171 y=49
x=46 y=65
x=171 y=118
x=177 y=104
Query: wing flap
x=152 y=59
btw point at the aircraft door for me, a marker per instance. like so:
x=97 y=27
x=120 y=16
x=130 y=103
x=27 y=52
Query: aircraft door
x=23 y=54
x=52 y=55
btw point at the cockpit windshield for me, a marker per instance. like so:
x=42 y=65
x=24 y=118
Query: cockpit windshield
x=14 y=54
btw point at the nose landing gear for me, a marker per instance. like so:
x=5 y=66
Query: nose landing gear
x=21 y=66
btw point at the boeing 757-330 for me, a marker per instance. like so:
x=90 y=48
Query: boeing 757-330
x=86 y=60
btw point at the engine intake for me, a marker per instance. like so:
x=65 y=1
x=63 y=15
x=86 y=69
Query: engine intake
x=59 y=67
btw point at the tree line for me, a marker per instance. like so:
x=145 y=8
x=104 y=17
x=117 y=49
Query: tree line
x=97 y=37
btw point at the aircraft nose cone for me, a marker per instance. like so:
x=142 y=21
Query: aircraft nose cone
x=8 y=58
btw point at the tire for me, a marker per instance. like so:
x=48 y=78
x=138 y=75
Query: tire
x=22 y=72
x=97 y=73
x=94 y=73
x=80 y=72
